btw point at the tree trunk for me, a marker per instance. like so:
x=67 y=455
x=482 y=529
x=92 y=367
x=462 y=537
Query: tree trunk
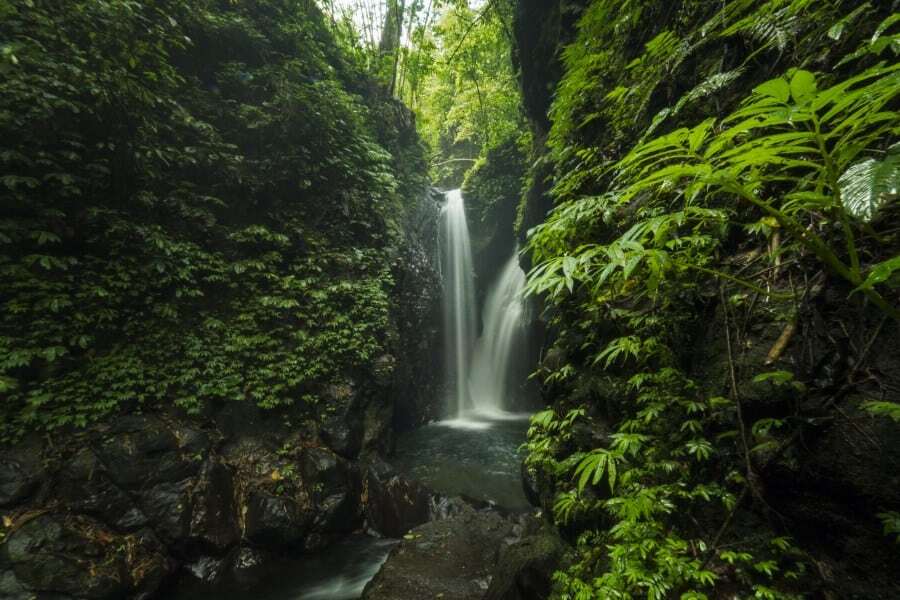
x=391 y=35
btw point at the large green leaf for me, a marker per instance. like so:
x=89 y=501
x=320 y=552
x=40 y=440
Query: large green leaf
x=867 y=186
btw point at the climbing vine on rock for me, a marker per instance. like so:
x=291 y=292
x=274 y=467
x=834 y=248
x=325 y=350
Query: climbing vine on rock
x=196 y=208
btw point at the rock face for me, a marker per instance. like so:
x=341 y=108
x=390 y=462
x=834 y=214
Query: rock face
x=492 y=190
x=394 y=505
x=79 y=557
x=541 y=29
x=20 y=474
x=416 y=383
x=828 y=488
x=120 y=512
x=471 y=555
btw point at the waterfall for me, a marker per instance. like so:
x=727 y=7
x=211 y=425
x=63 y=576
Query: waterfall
x=459 y=300
x=498 y=351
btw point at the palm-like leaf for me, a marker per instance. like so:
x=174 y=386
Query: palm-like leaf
x=867 y=186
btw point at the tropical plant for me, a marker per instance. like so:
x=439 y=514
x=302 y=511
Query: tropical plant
x=653 y=220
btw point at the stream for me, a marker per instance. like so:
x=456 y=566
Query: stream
x=338 y=572
x=477 y=457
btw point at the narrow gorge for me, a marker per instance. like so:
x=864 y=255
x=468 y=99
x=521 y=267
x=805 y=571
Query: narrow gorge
x=449 y=299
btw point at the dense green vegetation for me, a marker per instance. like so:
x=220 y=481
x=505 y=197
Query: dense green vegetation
x=201 y=201
x=705 y=155
x=197 y=207
x=204 y=202
x=450 y=63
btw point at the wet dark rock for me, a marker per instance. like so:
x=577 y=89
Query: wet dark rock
x=857 y=459
x=335 y=486
x=11 y=588
x=383 y=370
x=168 y=506
x=377 y=424
x=525 y=569
x=392 y=504
x=342 y=428
x=447 y=507
x=531 y=484
x=244 y=565
x=276 y=520
x=541 y=29
x=20 y=474
x=452 y=559
x=213 y=518
x=247 y=558
x=87 y=488
x=242 y=419
x=492 y=191
x=80 y=558
x=140 y=451
x=416 y=308
x=206 y=568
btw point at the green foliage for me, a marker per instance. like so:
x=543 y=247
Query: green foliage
x=468 y=100
x=450 y=61
x=791 y=135
x=880 y=273
x=870 y=184
x=492 y=188
x=884 y=409
x=192 y=213
x=891 y=521
x=673 y=152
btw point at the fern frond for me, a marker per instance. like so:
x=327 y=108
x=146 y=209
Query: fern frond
x=709 y=86
x=867 y=186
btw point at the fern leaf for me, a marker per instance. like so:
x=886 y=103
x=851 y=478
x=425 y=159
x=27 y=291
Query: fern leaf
x=869 y=185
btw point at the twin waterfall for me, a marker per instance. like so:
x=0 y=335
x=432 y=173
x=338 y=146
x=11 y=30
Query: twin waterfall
x=480 y=369
x=459 y=300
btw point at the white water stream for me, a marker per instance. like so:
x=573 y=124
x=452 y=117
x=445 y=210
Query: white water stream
x=479 y=372
x=459 y=300
x=501 y=344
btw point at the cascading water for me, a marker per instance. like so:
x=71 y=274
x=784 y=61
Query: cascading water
x=479 y=373
x=455 y=456
x=459 y=300
x=498 y=351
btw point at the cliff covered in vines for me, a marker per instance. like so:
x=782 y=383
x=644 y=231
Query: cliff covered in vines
x=202 y=203
x=717 y=272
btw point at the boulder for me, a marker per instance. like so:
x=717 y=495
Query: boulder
x=86 y=488
x=452 y=559
x=392 y=504
x=335 y=489
x=140 y=451
x=20 y=474
x=78 y=557
x=213 y=519
x=168 y=506
x=525 y=569
x=276 y=520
